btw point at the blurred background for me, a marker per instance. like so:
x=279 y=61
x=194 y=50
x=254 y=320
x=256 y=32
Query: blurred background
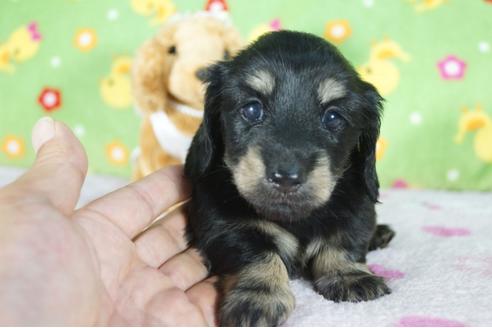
x=430 y=59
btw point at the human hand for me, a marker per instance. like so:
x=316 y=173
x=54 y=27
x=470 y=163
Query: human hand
x=95 y=265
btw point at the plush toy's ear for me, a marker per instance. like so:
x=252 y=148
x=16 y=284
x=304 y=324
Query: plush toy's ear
x=149 y=72
x=207 y=145
x=366 y=151
x=233 y=40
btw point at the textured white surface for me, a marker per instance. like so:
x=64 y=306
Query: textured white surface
x=440 y=261
x=439 y=264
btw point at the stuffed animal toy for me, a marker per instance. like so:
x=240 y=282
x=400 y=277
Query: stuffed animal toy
x=167 y=86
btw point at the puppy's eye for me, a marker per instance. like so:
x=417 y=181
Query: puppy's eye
x=172 y=50
x=253 y=112
x=227 y=54
x=331 y=119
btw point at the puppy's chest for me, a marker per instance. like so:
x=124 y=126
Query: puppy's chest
x=297 y=245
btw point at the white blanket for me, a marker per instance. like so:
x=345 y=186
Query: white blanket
x=439 y=266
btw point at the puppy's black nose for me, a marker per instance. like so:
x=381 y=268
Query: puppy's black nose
x=201 y=73
x=286 y=181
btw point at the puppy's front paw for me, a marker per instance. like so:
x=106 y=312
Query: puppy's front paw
x=352 y=286
x=256 y=307
x=382 y=237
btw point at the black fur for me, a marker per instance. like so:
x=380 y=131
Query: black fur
x=221 y=219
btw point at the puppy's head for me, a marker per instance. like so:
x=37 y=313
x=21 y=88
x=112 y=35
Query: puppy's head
x=289 y=117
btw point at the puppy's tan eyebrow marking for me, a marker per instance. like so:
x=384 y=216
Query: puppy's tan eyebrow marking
x=330 y=89
x=262 y=81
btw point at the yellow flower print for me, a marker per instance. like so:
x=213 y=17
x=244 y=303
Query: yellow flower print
x=117 y=153
x=338 y=31
x=381 y=146
x=158 y=10
x=426 y=5
x=13 y=146
x=85 y=39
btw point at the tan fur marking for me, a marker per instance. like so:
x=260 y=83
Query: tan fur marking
x=330 y=89
x=313 y=248
x=275 y=301
x=270 y=270
x=330 y=259
x=321 y=181
x=285 y=241
x=261 y=81
x=249 y=171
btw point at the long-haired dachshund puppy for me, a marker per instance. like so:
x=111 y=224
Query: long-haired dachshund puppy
x=284 y=179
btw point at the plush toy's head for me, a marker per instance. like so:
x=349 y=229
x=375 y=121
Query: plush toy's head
x=171 y=65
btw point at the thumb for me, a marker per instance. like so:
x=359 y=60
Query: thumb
x=60 y=166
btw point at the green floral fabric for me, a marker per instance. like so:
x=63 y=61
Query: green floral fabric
x=431 y=60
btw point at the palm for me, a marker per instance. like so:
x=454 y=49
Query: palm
x=150 y=279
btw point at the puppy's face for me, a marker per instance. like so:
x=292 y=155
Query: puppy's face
x=292 y=116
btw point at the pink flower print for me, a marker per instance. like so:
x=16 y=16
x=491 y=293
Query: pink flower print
x=442 y=231
x=275 y=24
x=431 y=206
x=451 y=68
x=400 y=184
x=381 y=271
x=481 y=265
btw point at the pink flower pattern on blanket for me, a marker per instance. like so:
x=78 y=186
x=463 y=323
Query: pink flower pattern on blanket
x=442 y=231
x=431 y=206
x=480 y=265
x=424 y=321
x=384 y=272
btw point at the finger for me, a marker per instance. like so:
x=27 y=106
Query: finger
x=172 y=307
x=163 y=240
x=147 y=297
x=205 y=296
x=60 y=166
x=185 y=269
x=134 y=207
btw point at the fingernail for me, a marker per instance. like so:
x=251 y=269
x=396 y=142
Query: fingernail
x=43 y=131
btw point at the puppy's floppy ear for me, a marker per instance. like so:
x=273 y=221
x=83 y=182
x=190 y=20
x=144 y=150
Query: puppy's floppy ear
x=366 y=152
x=207 y=144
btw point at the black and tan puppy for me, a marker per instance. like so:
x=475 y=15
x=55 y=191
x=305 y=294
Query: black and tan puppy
x=284 y=179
